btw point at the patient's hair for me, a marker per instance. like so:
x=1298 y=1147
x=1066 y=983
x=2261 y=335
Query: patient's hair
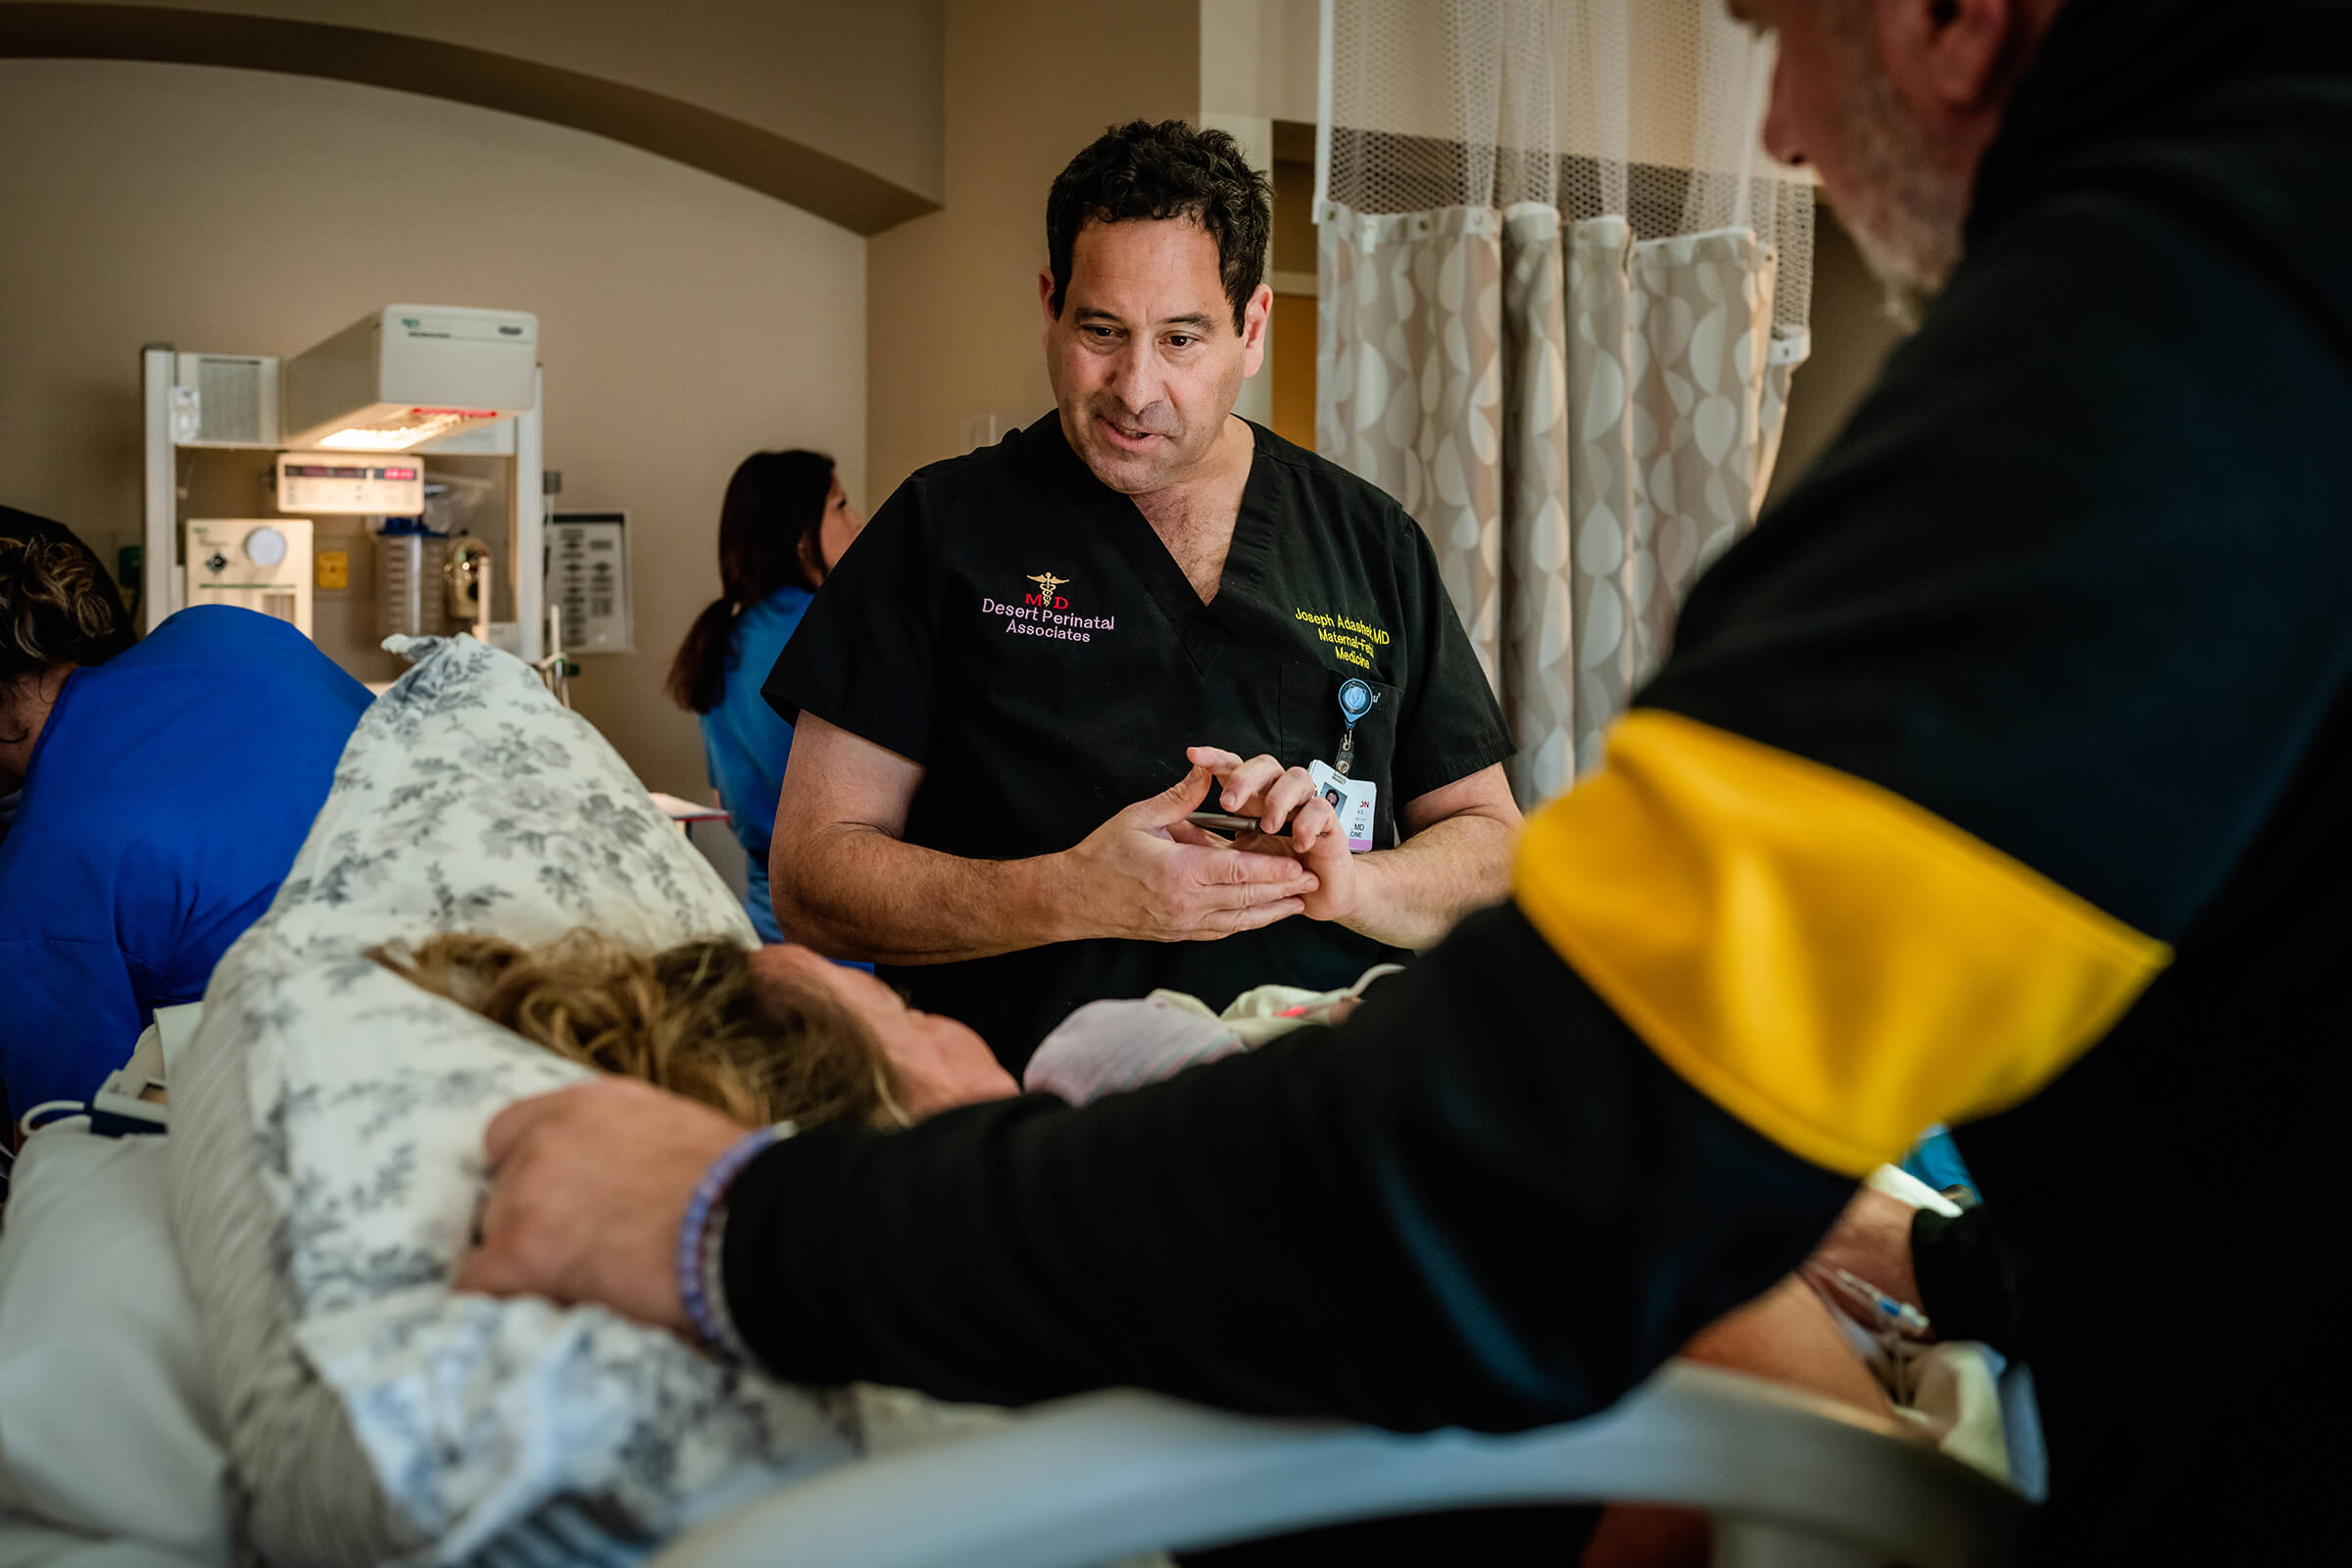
x=694 y=1019
x=56 y=606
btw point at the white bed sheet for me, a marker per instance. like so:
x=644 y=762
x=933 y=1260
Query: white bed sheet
x=26 y=1544
x=109 y=1422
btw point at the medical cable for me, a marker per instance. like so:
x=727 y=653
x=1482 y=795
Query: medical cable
x=26 y=1127
x=1888 y=1312
x=1891 y=1338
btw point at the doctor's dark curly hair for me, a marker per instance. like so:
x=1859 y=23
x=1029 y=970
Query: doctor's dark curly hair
x=1170 y=169
x=56 y=606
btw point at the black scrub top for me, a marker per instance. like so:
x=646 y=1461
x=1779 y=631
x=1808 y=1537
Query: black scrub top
x=1014 y=626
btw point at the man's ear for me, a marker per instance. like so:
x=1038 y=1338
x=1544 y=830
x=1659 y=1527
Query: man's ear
x=1255 y=317
x=1954 y=55
x=1045 y=296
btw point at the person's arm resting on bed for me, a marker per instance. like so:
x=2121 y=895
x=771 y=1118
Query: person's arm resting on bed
x=1335 y=1174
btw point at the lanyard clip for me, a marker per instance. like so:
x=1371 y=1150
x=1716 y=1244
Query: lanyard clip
x=1356 y=697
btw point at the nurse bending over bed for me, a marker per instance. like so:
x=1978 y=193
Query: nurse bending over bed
x=166 y=786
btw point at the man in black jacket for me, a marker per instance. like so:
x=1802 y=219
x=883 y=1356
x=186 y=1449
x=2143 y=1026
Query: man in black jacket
x=2002 y=777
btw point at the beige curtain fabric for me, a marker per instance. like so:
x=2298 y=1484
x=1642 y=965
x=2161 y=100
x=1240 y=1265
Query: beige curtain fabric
x=1580 y=422
x=1409 y=386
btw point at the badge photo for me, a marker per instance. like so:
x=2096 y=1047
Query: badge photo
x=1351 y=797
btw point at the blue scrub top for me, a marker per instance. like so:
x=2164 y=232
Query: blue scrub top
x=164 y=801
x=745 y=744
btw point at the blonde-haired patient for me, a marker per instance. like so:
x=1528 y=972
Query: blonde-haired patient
x=779 y=1033
x=758 y=1034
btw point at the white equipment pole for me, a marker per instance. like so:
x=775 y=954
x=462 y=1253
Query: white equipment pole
x=160 y=531
x=530 y=513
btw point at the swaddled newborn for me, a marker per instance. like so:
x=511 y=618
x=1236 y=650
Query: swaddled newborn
x=1108 y=1047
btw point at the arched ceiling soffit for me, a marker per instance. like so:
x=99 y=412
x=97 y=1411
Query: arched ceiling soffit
x=721 y=144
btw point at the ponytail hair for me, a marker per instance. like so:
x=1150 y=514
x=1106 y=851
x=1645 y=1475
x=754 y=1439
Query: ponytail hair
x=768 y=530
x=58 y=605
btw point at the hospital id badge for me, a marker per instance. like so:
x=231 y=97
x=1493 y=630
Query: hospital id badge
x=1351 y=797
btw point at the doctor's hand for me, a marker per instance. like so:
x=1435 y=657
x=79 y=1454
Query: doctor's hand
x=1263 y=788
x=1150 y=875
x=588 y=1187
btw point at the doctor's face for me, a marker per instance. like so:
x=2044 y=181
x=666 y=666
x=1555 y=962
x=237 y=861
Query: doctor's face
x=1144 y=359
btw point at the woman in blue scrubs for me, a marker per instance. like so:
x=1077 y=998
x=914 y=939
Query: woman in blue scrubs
x=784 y=523
x=165 y=787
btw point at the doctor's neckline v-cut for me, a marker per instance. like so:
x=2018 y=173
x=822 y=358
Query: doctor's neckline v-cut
x=1192 y=620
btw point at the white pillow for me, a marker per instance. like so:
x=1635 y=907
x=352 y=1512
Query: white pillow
x=326 y=1140
x=109 y=1422
x=26 y=1544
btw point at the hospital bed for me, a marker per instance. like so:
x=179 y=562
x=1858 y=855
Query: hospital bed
x=1788 y=1479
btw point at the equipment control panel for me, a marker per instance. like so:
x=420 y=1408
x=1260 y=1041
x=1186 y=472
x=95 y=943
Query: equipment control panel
x=262 y=564
x=344 y=484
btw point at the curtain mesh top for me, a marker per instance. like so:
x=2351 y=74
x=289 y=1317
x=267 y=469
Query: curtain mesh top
x=1649 y=109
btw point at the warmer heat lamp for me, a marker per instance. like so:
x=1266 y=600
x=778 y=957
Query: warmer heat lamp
x=407 y=374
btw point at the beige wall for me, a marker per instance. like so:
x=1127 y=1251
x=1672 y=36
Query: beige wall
x=859 y=82
x=1260 y=56
x=950 y=298
x=685 y=321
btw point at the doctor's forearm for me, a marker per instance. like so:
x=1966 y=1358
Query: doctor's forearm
x=1420 y=889
x=858 y=893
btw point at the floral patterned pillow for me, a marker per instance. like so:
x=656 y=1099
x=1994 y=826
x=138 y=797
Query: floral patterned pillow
x=326 y=1135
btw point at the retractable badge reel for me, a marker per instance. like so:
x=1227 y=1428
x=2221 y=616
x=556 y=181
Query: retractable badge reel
x=1351 y=799
x=1356 y=701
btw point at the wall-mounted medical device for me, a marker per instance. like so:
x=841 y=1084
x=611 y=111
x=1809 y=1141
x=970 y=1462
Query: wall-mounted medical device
x=588 y=580
x=407 y=374
x=350 y=486
x=261 y=564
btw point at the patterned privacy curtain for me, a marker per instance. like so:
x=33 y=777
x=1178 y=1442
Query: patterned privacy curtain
x=1561 y=297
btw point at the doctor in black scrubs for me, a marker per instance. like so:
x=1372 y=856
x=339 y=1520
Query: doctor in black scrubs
x=1042 y=657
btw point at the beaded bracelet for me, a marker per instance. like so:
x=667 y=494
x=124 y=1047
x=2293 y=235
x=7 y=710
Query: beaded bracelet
x=699 y=1236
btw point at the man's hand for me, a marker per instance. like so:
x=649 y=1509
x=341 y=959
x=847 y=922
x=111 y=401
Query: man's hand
x=1150 y=875
x=1263 y=788
x=588 y=1189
